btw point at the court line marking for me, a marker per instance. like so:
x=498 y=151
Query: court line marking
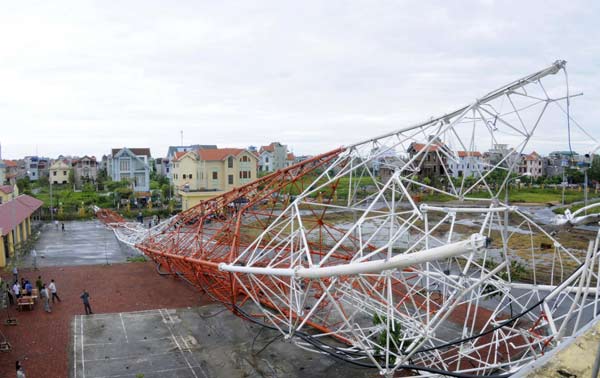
x=153 y=371
x=142 y=356
x=134 y=341
x=124 y=330
x=75 y=347
x=179 y=346
x=82 y=355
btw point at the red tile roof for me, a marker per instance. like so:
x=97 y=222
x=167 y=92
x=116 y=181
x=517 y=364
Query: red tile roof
x=10 y=163
x=469 y=153
x=290 y=156
x=270 y=147
x=179 y=154
x=418 y=147
x=6 y=189
x=532 y=156
x=12 y=213
x=219 y=153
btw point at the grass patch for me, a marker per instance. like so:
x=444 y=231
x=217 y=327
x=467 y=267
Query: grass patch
x=137 y=259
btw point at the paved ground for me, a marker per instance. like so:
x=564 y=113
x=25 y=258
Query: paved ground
x=199 y=342
x=42 y=341
x=143 y=322
x=82 y=243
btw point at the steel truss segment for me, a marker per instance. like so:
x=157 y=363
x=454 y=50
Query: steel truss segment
x=354 y=252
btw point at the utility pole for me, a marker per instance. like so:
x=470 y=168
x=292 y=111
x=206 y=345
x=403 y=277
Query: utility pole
x=51 y=212
x=181 y=133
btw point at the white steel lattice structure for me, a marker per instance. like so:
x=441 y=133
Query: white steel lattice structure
x=367 y=262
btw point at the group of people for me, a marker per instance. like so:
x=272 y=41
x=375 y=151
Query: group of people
x=24 y=287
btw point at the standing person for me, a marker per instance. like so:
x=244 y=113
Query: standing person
x=39 y=284
x=11 y=298
x=56 y=224
x=52 y=288
x=85 y=297
x=62 y=225
x=46 y=298
x=20 y=371
x=34 y=255
x=15 y=273
x=17 y=289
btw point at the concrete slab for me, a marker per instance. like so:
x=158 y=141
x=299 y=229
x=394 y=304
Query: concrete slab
x=82 y=243
x=200 y=342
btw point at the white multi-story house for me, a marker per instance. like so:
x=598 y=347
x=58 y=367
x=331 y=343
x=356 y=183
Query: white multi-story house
x=468 y=163
x=85 y=169
x=273 y=157
x=59 y=172
x=131 y=164
x=534 y=165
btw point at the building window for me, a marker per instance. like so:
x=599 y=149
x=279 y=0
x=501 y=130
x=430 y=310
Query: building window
x=54 y=173
x=190 y=176
x=230 y=179
x=124 y=164
x=245 y=159
x=215 y=175
x=230 y=162
x=184 y=176
x=65 y=173
x=245 y=174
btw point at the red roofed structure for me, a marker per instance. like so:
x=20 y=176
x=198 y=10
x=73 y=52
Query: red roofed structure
x=15 y=223
x=219 y=153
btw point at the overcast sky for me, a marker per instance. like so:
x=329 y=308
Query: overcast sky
x=82 y=77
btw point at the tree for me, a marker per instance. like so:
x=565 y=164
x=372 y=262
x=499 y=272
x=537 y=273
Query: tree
x=24 y=185
x=594 y=171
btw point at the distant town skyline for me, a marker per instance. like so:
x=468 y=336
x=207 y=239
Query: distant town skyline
x=315 y=75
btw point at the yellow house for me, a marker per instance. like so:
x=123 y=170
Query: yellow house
x=59 y=172
x=8 y=192
x=203 y=174
x=15 y=224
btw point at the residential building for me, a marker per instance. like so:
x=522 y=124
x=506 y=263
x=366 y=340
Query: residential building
x=168 y=161
x=273 y=157
x=534 y=165
x=132 y=165
x=505 y=156
x=290 y=159
x=2 y=172
x=30 y=166
x=59 y=172
x=8 y=193
x=557 y=161
x=85 y=169
x=206 y=173
x=161 y=166
x=10 y=176
x=15 y=224
x=467 y=164
x=431 y=157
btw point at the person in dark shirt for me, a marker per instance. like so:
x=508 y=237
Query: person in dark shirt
x=85 y=297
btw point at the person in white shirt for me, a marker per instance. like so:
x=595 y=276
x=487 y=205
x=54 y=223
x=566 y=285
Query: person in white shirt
x=17 y=289
x=52 y=288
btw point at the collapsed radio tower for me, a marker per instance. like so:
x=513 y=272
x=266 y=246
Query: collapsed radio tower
x=346 y=254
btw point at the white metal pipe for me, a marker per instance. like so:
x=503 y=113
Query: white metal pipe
x=475 y=243
x=425 y=207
